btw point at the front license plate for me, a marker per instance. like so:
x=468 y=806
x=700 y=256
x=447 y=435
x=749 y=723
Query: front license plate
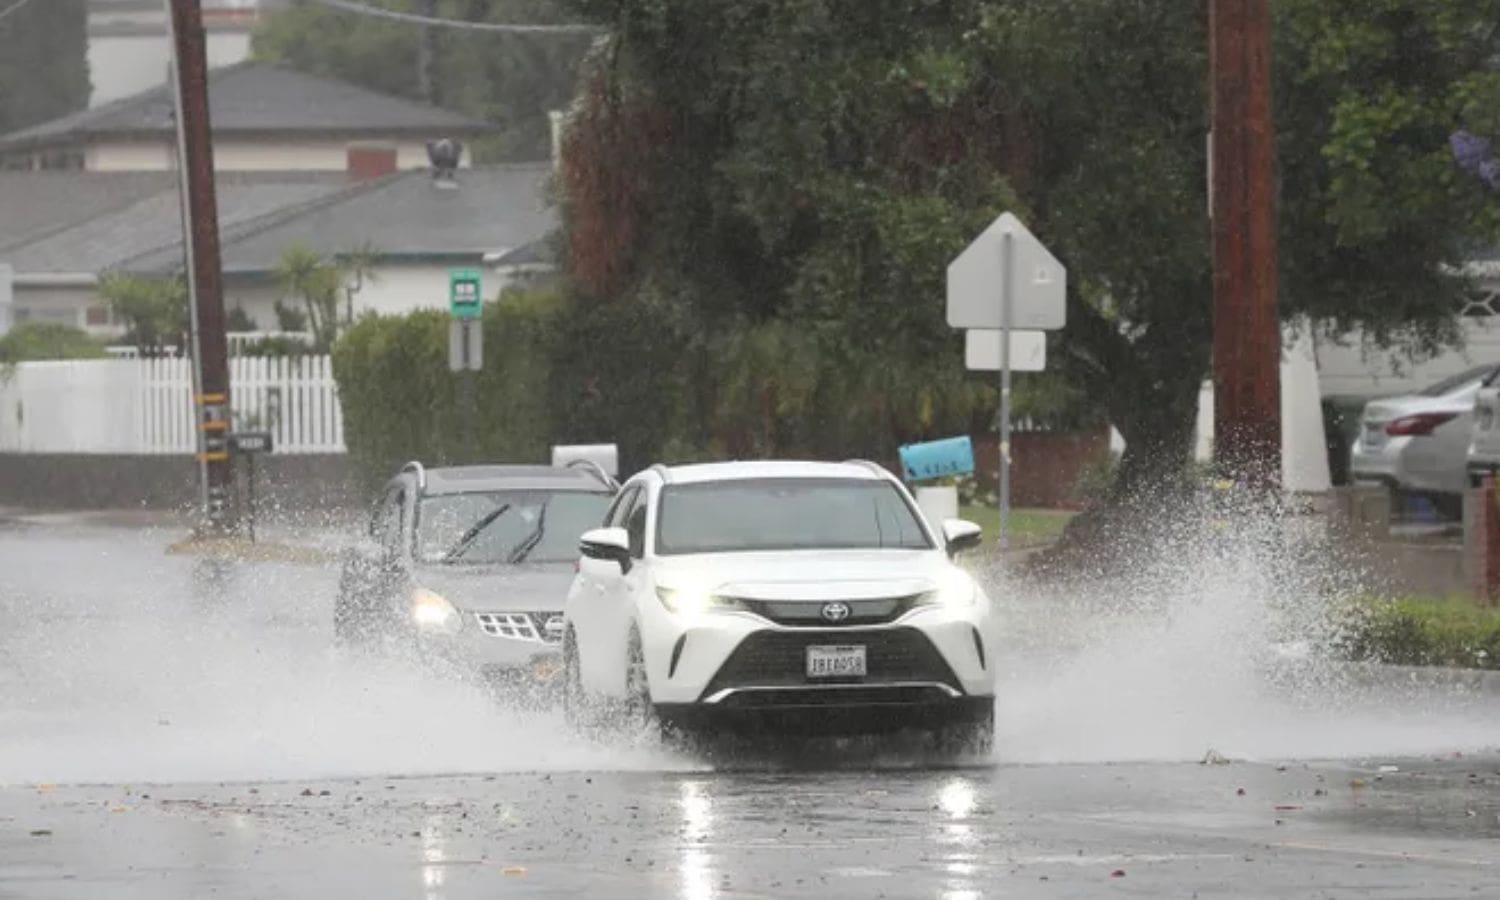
x=836 y=661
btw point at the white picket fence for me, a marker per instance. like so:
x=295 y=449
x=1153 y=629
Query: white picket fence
x=146 y=405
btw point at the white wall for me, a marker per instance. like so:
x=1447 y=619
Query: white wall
x=1355 y=367
x=124 y=64
x=249 y=156
x=64 y=304
x=393 y=290
x=6 y=297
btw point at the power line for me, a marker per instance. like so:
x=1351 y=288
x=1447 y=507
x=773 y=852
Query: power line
x=362 y=9
x=13 y=7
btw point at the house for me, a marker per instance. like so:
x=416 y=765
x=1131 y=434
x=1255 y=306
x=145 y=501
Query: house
x=129 y=42
x=265 y=117
x=411 y=226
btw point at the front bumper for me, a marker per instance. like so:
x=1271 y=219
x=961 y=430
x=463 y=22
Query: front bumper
x=486 y=642
x=931 y=658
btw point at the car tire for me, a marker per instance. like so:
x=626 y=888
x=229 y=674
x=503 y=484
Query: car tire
x=970 y=733
x=575 y=702
x=637 y=712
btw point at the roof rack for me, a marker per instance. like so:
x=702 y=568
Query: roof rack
x=595 y=470
x=664 y=472
x=416 y=467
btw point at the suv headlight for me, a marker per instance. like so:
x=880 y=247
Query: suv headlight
x=688 y=600
x=955 y=589
x=431 y=611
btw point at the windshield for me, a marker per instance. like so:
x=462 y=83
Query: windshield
x=785 y=514
x=512 y=526
x=1453 y=383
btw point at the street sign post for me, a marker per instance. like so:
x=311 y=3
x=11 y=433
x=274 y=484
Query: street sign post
x=1028 y=350
x=466 y=339
x=1006 y=280
x=248 y=444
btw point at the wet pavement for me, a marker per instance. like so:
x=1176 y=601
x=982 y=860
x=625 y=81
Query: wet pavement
x=164 y=734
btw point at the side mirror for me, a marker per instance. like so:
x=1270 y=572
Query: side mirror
x=960 y=535
x=607 y=544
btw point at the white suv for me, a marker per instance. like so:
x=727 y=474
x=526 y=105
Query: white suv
x=809 y=593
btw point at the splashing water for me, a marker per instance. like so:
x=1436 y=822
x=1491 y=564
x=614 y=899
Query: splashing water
x=1219 y=638
x=112 y=669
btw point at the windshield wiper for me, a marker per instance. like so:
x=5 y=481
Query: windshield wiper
x=467 y=540
x=524 y=548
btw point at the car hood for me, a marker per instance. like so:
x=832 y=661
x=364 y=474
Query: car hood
x=533 y=588
x=809 y=574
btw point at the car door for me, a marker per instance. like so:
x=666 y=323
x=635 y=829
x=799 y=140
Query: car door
x=590 y=611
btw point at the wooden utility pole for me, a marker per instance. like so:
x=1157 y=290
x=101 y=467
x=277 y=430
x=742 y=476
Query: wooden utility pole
x=195 y=164
x=1247 y=332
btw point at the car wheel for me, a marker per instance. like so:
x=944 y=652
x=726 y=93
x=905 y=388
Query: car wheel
x=638 y=713
x=575 y=704
x=970 y=733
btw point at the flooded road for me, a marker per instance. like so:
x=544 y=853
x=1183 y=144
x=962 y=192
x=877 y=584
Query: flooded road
x=161 y=740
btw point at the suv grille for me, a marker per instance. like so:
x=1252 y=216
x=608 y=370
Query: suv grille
x=779 y=659
x=876 y=611
x=546 y=627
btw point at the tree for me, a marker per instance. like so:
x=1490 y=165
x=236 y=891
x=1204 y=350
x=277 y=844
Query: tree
x=306 y=277
x=512 y=80
x=44 y=71
x=154 y=310
x=819 y=161
x=47 y=340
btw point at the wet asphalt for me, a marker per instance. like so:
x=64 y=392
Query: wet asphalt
x=154 y=744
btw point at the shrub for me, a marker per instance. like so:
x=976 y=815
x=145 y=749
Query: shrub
x=30 y=341
x=1423 y=632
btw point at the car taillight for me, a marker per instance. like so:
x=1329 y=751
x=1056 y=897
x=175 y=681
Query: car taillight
x=1419 y=424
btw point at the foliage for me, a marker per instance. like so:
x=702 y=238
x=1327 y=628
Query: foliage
x=288 y=318
x=27 y=341
x=1423 y=632
x=821 y=161
x=320 y=285
x=154 y=310
x=511 y=80
x=236 y=319
x=44 y=70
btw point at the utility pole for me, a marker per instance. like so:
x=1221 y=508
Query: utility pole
x=424 y=52
x=195 y=164
x=1247 y=332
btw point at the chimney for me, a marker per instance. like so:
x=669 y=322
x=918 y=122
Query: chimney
x=367 y=162
x=446 y=156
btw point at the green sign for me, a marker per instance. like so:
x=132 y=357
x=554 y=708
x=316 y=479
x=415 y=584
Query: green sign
x=465 y=298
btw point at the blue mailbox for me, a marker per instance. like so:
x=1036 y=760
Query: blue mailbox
x=938 y=459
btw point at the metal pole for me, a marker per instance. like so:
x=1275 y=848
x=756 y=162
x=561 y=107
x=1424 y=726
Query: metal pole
x=195 y=141
x=1007 y=262
x=251 y=463
x=1247 y=334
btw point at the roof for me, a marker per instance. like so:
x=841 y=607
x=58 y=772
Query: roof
x=256 y=98
x=401 y=217
x=95 y=223
x=731 y=471
x=539 y=254
x=474 y=479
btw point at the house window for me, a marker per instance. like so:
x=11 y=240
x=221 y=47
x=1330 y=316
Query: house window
x=96 y=316
x=62 y=161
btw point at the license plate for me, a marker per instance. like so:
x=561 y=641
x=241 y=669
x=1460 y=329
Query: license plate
x=836 y=661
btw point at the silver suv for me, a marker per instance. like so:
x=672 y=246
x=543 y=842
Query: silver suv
x=471 y=564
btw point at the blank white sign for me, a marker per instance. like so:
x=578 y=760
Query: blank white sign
x=1028 y=350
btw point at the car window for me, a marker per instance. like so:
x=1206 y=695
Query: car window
x=391 y=530
x=507 y=526
x=635 y=526
x=1454 y=383
x=618 y=510
x=785 y=514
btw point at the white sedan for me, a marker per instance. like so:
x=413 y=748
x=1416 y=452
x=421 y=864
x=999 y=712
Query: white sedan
x=814 y=595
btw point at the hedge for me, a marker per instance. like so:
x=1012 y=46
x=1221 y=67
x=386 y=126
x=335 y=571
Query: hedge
x=649 y=376
x=1424 y=632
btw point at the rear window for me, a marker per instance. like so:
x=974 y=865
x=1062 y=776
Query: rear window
x=1453 y=382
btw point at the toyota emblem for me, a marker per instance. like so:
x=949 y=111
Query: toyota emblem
x=835 y=612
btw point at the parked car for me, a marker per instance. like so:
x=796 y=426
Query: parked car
x=471 y=564
x=1484 y=445
x=809 y=595
x=1418 y=443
